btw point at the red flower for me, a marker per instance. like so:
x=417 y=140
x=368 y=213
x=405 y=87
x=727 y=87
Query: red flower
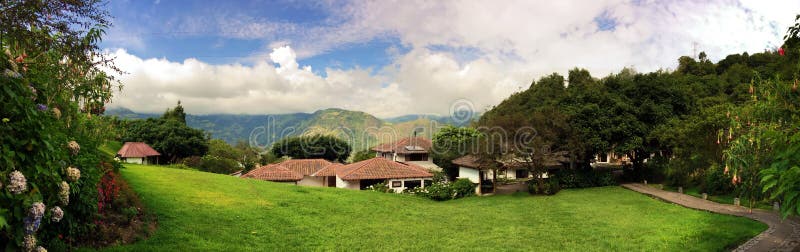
x=781 y=52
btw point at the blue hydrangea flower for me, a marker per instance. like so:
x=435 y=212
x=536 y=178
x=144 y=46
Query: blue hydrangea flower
x=41 y=107
x=31 y=224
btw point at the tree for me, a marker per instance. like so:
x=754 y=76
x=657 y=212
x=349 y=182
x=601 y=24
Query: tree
x=450 y=143
x=363 y=155
x=175 y=114
x=172 y=138
x=312 y=146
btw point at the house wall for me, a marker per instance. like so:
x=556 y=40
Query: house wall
x=311 y=181
x=133 y=160
x=468 y=173
x=348 y=184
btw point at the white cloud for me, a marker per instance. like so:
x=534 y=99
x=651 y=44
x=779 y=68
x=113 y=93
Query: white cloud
x=513 y=43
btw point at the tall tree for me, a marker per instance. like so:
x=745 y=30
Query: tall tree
x=450 y=143
x=313 y=146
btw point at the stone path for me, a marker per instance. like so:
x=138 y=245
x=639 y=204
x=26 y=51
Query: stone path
x=782 y=235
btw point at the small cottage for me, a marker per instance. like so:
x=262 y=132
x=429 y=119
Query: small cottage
x=138 y=153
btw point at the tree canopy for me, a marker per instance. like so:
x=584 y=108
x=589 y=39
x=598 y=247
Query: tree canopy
x=313 y=146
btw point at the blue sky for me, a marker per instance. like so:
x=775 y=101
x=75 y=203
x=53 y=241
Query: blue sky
x=392 y=58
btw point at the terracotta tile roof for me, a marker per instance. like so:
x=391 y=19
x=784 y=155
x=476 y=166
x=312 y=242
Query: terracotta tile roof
x=137 y=149
x=472 y=161
x=381 y=168
x=273 y=172
x=328 y=170
x=305 y=167
x=406 y=145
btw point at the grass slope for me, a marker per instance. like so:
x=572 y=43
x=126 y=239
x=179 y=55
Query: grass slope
x=205 y=211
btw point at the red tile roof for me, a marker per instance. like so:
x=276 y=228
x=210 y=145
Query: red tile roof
x=381 y=168
x=273 y=172
x=305 y=167
x=137 y=149
x=405 y=146
x=328 y=171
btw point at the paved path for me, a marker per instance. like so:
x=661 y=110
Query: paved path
x=782 y=235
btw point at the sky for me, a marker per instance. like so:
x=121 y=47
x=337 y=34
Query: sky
x=392 y=58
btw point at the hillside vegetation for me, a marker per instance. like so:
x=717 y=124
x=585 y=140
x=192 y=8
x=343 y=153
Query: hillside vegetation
x=204 y=211
x=363 y=130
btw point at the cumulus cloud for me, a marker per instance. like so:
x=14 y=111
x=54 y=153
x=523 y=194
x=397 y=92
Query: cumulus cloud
x=510 y=45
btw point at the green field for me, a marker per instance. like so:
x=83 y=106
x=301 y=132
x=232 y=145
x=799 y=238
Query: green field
x=205 y=211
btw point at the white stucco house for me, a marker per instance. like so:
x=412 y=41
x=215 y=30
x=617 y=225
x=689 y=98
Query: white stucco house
x=413 y=150
x=302 y=169
x=481 y=172
x=138 y=153
x=398 y=176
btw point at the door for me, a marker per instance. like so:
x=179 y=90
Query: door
x=331 y=181
x=522 y=173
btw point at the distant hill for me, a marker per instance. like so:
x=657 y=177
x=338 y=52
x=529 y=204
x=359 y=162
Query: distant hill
x=362 y=130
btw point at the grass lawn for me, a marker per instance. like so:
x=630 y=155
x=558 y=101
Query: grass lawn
x=204 y=211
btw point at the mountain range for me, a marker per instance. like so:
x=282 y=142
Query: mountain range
x=362 y=130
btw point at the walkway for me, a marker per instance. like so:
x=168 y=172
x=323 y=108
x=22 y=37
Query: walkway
x=782 y=235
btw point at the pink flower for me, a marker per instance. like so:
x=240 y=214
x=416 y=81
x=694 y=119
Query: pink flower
x=781 y=51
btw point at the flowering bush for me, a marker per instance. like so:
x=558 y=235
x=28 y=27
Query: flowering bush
x=48 y=70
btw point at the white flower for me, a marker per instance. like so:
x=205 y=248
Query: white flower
x=40 y=249
x=18 y=184
x=74 y=147
x=56 y=214
x=29 y=242
x=37 y=210
x=73 y=174
x=63 y=195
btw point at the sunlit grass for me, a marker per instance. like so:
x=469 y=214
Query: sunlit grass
x=205 y=211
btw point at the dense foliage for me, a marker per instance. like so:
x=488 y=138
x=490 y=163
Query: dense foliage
x=715 y=126
x=168 y=135
x=51 y=85
x=312 y=146
x=450 y=143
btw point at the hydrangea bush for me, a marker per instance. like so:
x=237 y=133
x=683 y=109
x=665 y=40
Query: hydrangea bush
x=50 y=69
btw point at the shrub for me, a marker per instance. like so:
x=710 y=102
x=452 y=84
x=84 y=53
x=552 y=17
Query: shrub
x=380 y=187
x=549 y=187
x=567 y=178
x=439 y=177
x=218 y=165
x=193 y=161
x=440 y=191
x=716 y=181
x=463 y=188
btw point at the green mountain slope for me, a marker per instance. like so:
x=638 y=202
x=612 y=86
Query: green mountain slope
x=362 y=130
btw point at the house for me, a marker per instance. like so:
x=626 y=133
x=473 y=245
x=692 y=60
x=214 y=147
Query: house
x=398 y=176
x=274 y=173
x=137 y=153
x=301 y=168
x=307 y=167
x=609 y=159
x=414 y=150
x=481 y=173
x=358 y=176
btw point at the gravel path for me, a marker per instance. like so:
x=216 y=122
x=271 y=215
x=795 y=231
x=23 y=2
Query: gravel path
x=782 y=235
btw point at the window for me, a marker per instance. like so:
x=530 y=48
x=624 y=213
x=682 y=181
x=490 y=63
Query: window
x=411 y=184
x=397 y=183
x=417 y=157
